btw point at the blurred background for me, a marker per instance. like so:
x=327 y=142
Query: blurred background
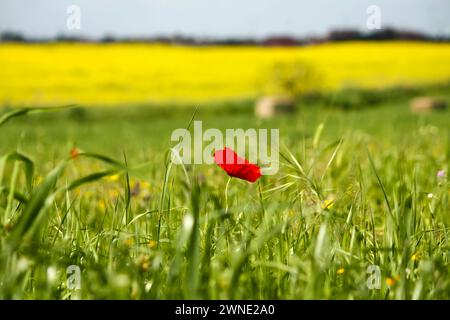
x=197 y=51
x=240 y=63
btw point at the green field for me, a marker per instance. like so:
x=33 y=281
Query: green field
x=152 y=231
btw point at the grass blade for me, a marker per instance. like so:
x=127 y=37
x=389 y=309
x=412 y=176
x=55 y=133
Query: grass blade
x=35 y=208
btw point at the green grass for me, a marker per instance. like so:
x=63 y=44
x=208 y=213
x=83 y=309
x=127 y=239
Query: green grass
x=173 y=238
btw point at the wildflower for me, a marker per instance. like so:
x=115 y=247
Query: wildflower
x=148 y=286
x=440 y=174
x=390 y=281
x=152 y=244
x=102 y=205
x=52 y=274
x=74 y=153
x=144 y=263
x=430 y=196
x=416 y=256
x=144 y=185
x=340 y=271
x=235 y=166
x=408 y=272
x=128 y=242
x=113 y=178
x=328 y=204
x=22 y=265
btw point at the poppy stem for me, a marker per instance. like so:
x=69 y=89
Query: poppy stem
x=226 y=194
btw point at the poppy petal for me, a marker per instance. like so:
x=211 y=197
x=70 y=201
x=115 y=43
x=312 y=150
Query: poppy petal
x=236 y=166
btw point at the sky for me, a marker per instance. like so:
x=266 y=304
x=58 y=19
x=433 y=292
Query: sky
x=218 y=18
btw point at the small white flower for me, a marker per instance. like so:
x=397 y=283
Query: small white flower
x=430 y=196
x=148 y=286
x=52 y=274
x=22 y=265
x=188 y=223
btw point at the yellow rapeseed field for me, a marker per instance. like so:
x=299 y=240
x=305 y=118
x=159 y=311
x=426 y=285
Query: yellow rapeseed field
x=102 y=74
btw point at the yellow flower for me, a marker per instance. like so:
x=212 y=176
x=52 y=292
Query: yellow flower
x=145 y=185
x=416 y=256
x=102 y=204
x=328 y=204
x=113 y=178
x=128 y=242
x=390 y=281
x=144 y=263
x=152 y=244
x=426 y=63
x=340 y=271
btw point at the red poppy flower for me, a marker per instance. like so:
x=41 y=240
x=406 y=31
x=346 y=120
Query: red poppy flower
x=236 y=166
